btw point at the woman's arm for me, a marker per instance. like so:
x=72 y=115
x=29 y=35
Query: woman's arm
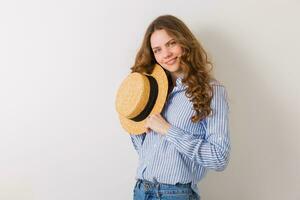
x=213 y=151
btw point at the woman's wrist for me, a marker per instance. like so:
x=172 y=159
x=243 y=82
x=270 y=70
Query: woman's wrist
x=167 y=127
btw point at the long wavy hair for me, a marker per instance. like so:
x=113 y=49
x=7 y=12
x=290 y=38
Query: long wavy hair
x=194 y=62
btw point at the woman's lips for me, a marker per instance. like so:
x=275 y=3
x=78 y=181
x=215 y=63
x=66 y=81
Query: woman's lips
x=171 y=61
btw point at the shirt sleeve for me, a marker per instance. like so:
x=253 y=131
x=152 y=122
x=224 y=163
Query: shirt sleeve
x=137 y=140
x=211 y=151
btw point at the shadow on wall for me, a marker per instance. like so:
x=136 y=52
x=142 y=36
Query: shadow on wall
x=258 y=135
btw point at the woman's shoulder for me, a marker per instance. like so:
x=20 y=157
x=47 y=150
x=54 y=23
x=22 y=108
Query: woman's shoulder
x=219 y=90
x=216 y=83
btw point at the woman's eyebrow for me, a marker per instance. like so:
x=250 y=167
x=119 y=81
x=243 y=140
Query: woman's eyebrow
x=165 y=44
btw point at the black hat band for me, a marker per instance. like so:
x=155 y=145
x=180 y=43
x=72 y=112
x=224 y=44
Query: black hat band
x=151 y=101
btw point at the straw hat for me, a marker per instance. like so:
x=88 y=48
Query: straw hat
x=140 y=95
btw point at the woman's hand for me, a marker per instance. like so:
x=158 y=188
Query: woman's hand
x=157 y=123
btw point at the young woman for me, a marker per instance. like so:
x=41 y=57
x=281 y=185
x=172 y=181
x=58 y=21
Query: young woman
x=191 y=134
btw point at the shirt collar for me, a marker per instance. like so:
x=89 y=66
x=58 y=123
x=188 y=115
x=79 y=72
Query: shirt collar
x=179 y=85
x=179 y=80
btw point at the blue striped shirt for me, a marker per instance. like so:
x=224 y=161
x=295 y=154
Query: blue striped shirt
x=188 y=149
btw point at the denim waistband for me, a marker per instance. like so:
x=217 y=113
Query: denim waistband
x=162 y=186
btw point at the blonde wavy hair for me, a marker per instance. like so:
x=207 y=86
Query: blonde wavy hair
x=195 y=65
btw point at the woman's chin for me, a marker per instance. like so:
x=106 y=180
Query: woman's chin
x=173 y=68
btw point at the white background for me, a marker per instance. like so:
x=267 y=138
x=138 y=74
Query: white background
x=61 y=63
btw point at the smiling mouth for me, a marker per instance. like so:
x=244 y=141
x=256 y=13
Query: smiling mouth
x=171 y=61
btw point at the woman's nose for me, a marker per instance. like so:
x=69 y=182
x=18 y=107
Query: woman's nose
x=167 y=53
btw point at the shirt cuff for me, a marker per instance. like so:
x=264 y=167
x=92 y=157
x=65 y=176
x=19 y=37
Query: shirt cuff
x=173 y=133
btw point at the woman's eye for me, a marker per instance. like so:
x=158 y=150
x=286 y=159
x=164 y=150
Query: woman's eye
x=172 y=43
x=156 y=51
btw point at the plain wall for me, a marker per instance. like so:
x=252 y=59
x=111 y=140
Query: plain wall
x=61 y=63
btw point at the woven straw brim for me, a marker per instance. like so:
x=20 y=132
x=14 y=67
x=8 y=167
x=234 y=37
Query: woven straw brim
x=137 y=128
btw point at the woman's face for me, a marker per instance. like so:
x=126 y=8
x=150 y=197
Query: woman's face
x=166 y=50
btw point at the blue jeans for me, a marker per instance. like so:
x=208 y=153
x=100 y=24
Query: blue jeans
x=146 y=190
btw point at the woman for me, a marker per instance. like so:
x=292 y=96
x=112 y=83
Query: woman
x=191 y=134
